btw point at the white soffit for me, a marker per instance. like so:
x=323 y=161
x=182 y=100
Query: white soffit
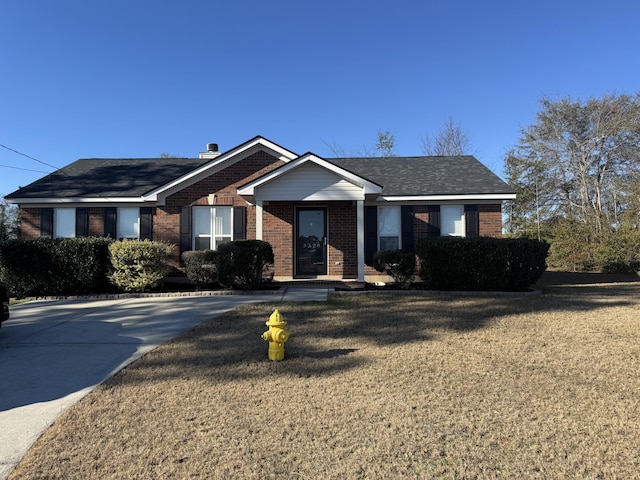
x=66 y=200
x=439 y=198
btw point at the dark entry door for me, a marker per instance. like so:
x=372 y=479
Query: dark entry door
x=311 y=241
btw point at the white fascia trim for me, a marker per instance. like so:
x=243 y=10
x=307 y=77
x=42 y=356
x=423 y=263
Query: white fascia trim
x=368 y=186
x=100 y=200
x=439 y=198
x=230 y=157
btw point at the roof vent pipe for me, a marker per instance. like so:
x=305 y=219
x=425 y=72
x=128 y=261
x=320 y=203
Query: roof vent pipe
x=212 y=151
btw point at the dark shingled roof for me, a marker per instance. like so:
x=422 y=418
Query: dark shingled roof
x=133 y=177
x=409 y=176
x=109 y=178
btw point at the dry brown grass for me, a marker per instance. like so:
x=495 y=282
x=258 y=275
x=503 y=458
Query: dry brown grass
x=374 y=386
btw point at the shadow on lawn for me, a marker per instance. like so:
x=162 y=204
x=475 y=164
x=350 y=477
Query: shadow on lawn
x=332 y=337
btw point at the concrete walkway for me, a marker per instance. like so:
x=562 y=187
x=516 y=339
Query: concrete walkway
x=53 y=353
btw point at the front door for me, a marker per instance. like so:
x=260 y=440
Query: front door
x=311 y=241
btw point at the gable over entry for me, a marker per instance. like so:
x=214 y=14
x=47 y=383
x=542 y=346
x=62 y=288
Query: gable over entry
x=312 y=179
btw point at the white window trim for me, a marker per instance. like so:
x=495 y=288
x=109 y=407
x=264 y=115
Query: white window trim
x=215 y=239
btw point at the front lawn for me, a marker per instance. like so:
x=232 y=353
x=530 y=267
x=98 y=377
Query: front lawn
x=374 y=386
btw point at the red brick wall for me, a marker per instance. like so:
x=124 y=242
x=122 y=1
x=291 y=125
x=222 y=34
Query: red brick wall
x=277 y=229
x=490 y=220
x=96 y=221
x=225 y=183
x=420 y=222
x=29 y=223
x=343 y=239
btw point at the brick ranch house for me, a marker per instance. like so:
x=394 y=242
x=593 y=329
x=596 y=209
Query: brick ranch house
x=324 y=217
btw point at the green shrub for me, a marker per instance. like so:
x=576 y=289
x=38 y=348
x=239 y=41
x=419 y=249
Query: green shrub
x=65 y=266
x=399 y=265
x=491 y=264
x=138 y=265
x=200 y=266
x=244 y=264
x=572 y=246
x=575 y=247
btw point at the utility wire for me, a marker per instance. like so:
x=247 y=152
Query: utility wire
x=29 y=157
x=48 y=165
x=25 y=169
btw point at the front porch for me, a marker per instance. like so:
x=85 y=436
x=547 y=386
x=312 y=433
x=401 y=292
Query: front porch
x=313 y=241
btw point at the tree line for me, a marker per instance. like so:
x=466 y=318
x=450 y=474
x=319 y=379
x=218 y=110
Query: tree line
x=576 y=171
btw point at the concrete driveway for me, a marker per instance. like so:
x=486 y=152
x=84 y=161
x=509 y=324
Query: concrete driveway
x=53 y=353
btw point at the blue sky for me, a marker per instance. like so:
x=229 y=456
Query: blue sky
x=129 y=78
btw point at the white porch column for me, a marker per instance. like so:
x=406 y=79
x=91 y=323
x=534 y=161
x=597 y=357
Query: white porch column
x=360 y=239
x=258 y=219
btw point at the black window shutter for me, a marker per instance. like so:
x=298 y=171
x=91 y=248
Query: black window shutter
x=111 y=222
x=82 y=222
x=239 y=223
x=185 y=229
x=433 y=228
x=471 y=220
x=46 y=222
x=406 y=219
x=146 y=223
x=370 y=233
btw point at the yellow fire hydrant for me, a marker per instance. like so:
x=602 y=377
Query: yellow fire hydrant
x=276 y=335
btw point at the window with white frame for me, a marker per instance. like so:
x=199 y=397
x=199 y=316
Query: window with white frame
x=389 y=228
x=129 y=223
x=212 y=226
x=64 y=222
x=452 y=220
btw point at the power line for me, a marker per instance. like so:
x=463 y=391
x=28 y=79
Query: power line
x=48 y=165
x=29 y=157
x=25 y=169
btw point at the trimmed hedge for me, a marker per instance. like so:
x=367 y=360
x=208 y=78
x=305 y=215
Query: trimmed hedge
x=200 y=266
x=138 y=265
x=63 y=266
x=483 y=263
x=399 y=265
x=245 y=264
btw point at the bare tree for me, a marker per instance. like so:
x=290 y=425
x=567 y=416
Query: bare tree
x=386 y=144
x=9 y=220
x=385 y=147
x=450 y=141
x=587 y=151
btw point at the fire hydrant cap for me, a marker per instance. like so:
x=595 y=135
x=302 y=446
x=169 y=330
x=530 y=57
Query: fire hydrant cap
x=276 y=320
